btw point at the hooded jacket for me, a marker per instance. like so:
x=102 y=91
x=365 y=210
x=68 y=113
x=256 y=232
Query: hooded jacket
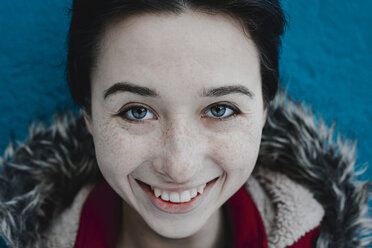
x=305 y=176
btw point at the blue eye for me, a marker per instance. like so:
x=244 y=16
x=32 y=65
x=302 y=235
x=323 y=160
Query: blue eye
x=137 y=113
x=221 y=111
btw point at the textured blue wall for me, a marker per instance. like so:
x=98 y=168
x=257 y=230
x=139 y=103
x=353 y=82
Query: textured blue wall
x=326 y=61
x=32 y=58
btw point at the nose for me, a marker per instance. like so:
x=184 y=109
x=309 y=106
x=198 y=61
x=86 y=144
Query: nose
x=181 y=152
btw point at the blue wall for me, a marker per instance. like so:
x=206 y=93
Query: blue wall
x=326 y=61
x=32 y=58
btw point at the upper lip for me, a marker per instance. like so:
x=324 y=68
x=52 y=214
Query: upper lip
x=177 y=189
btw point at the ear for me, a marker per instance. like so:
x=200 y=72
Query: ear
x=88 y=121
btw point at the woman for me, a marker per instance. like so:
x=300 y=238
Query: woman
x=171 y=149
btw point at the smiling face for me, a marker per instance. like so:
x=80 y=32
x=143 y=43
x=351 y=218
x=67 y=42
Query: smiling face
x=176 y=106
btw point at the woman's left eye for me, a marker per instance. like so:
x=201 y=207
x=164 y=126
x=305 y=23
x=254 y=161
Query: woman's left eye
x=221 y=111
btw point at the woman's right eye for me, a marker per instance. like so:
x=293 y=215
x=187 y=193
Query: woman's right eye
x=136 y=113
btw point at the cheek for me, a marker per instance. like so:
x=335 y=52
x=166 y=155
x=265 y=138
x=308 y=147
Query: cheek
x=119 y=151
x=237 y=151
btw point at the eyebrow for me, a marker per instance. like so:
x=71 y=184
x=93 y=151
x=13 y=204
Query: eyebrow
x=225 y=90
x=144 y=91
x=128 y=87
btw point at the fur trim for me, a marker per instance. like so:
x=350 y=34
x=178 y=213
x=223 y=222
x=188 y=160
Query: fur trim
x=296 y=211
x=302 y=147
x=42 y=176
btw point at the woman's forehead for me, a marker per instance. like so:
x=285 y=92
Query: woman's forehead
x=189 y=49
x=169 y=29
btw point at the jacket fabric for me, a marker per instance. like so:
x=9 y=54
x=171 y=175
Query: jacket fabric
x=305 y=176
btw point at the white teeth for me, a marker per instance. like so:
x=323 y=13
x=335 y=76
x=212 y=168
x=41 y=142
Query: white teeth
x=157 y=192
x=201 y=188
x=165 y=196
x=174 y=197
x=193 y=192
x=185 y=196
x=177 y=197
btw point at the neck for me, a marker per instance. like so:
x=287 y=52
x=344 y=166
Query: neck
x=136 y=233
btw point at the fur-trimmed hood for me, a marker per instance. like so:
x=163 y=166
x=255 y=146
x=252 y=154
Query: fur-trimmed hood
x=42 y=176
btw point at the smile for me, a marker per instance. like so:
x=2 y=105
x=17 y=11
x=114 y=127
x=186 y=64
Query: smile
x=177 y=201
x=178 y=197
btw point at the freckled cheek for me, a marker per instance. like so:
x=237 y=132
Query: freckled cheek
x=237 y=153
x=119 y=151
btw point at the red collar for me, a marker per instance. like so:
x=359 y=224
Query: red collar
x=100 y=219
x=101 y=216
x=247 y=226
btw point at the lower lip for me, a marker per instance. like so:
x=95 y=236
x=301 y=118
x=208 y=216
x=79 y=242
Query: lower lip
x=176 y=208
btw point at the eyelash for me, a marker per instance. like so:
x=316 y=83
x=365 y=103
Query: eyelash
x=235 y=111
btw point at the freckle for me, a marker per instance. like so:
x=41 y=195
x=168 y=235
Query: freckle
x=109 y=131
x=165 y=136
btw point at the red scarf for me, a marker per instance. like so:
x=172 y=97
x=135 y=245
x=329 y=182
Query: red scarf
x=100 y=221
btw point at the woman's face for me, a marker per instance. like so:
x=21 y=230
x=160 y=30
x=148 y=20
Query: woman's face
x=177 y=109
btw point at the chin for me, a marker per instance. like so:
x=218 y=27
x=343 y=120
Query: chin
x=171 y=233
x=177 y=230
